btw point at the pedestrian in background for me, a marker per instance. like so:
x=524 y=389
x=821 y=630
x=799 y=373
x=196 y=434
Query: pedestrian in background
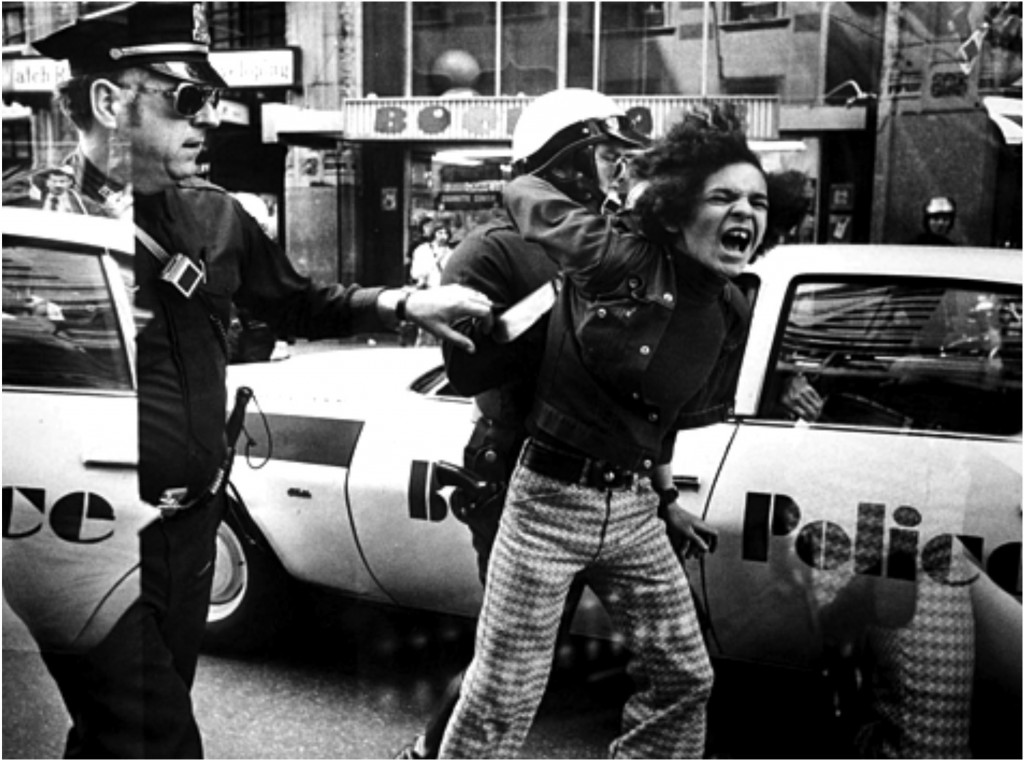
x=501 y=375
x=142 y=96
x=938 y=215
x=646 y=330
x=428 y=262
x=430 y=256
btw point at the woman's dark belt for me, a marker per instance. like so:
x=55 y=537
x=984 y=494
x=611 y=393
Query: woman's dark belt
x=574 y=468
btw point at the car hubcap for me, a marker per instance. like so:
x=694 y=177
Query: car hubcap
x=230 y=575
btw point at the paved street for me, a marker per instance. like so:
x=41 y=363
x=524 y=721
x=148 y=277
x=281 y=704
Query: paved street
x=358 y=681
x=358 y=684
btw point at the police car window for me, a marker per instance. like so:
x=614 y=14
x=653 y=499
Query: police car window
x=915 y=355
x=60 y=327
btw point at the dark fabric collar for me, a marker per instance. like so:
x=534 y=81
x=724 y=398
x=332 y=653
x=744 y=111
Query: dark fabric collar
x=696 y=282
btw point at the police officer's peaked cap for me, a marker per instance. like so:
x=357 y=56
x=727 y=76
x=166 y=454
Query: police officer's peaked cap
x=171 y=39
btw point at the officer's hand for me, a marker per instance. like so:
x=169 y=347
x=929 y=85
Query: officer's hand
x=435 y=309
x=690 y=536
x=800 y=398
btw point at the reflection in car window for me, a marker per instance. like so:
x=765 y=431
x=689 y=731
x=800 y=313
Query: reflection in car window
x=917 y=355
x=60 y=327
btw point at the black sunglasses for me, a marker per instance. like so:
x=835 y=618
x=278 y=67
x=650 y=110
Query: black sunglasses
x=189 y=99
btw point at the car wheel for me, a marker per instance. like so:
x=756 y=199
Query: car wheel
x=249 y=600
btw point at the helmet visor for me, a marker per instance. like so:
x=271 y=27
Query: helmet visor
x=579 y=135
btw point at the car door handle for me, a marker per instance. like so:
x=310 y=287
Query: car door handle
x=97 y=463
x=113 y=455
x=686 y=482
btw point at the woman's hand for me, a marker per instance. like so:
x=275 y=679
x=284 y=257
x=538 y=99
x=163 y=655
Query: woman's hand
x=690 y=536
x=800 y=398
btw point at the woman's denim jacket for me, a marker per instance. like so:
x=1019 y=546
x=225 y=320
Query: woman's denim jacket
x=618 y=297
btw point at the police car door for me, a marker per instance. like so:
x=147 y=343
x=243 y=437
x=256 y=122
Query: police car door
x=70 y=495
x=909 y=478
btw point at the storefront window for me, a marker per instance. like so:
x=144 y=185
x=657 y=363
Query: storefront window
x=751 y=12
x=14 y=23
x=795 y=164
x=453 y=46
x=459 y=187
x=580 y=54
x=384 y=53
x=637 y=49
x=246 y=26
x=513 y=48
x=529 y=48
x=17 y=144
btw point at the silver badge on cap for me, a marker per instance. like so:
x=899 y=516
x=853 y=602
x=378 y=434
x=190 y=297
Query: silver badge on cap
x=200 y=31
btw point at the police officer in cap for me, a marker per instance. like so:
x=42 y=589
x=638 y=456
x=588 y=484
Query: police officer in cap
x=142 y=96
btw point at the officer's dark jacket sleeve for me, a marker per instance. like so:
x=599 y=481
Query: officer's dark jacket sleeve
x=497 y=262
x=253 y=271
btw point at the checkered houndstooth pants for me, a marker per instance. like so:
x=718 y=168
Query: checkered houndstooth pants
x=549 y=531
x=918 y=659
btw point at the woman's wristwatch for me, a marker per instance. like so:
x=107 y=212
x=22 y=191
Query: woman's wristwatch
x=666 y=496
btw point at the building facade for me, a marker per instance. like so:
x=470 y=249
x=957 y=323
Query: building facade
x=355 y=121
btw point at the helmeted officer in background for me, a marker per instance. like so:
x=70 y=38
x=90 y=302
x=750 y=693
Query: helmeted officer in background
x=938 y=215
x=580 y=139
x=142 y=96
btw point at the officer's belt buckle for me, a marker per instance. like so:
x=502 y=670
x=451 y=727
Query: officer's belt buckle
x=184 y=274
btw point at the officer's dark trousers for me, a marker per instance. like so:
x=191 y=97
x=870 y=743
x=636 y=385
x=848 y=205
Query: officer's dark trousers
x=130 y=696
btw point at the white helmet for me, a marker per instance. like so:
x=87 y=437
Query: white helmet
x=940 y=206
x=563 y=120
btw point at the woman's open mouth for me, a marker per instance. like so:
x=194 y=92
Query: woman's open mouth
x=737 y=240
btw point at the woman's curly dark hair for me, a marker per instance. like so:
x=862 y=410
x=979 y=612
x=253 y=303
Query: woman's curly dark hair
x=709 y=138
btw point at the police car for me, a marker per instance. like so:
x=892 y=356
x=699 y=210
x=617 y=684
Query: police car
x=918 y=362
x=70 y=440
x=906 y=486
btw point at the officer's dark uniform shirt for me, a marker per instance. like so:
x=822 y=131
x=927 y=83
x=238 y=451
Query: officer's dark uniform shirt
x=495 y=260
x=642 y=342
x=182 y=352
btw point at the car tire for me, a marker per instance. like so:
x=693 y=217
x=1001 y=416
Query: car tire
x=250 y=598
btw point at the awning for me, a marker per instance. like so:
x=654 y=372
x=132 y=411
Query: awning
x=1006 y=113
x=15 y=111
